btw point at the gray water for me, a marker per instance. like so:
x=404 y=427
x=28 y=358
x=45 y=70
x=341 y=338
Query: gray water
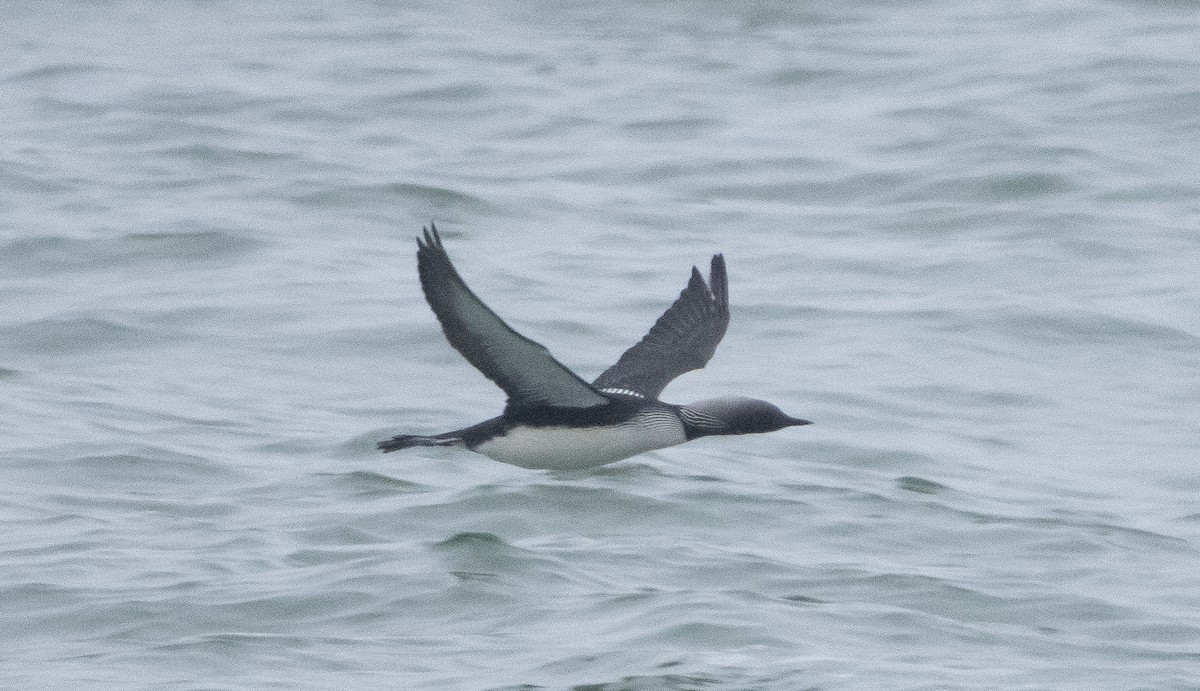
x=962 y=238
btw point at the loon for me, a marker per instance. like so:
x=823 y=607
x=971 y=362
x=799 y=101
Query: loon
x=553 y=419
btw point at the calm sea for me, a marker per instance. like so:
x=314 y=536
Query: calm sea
x=963 y=238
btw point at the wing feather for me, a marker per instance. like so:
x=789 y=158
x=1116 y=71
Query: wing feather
x=683 y=339
x=523 y=368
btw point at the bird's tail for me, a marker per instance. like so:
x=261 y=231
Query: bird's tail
x=404 y=441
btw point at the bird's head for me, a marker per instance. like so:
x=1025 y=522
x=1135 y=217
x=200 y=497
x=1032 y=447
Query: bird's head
x=734 y=415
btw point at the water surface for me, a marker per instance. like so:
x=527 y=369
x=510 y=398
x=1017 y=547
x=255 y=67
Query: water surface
x=961 y=238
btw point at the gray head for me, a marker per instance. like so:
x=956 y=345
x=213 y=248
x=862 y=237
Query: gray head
x=734 y=415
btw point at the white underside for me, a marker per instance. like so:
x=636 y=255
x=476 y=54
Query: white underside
x=563 y=448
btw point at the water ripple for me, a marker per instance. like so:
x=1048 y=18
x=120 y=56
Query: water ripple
x=961 y=238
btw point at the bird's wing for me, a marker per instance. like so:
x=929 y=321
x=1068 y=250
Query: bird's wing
x=683 y=338
x=526 y=371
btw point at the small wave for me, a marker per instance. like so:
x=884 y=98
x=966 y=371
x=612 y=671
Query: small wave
x=556 y=503
x=656 y=682
x=964 y=397
x=424 y=97
x=74 y=334
x=190 y=242
x=480 y=555
x=193 y=102
x=920 y=485
x=1003 y=186
x=659 y=129
x=370 y=485
x=20 y=177
x=436 y=200
x=44 y=73
x=1084 y=326
x=473 y=541
x=148 y=466
x=825 y=189
x=226 y=155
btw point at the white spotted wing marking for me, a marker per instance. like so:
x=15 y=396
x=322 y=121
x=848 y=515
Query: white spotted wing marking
x=622 y=392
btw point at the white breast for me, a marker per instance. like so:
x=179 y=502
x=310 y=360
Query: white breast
x=565 y=448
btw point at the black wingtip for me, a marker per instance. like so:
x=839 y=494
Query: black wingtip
x=717 y=266
x=718 y=280
x=796 y=422
x=430 y=235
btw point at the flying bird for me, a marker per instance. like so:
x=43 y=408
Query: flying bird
x=554 y=419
